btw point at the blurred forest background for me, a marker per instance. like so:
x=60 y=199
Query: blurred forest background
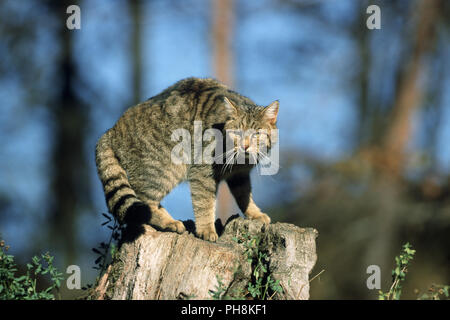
x=364 y=121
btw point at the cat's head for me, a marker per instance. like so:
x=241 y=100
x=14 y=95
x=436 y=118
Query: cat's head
x=252 y=128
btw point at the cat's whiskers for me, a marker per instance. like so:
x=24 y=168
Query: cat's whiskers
x=229 y=160
x=255 y=158
x=269 y=159
x=232 y=162
x=223 y=154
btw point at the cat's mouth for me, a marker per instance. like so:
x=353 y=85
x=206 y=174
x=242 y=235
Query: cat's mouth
x=241 y=155
x=248 y=154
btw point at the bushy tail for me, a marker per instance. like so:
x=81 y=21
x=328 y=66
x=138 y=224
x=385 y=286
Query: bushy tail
x=120 y=197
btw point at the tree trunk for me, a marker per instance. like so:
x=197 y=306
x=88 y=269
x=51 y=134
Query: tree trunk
x=409 y=93
x=222 y=25
x=391 y=159
x=136 y=13
x=222 y=31
x=69 y=189
x=167 y=265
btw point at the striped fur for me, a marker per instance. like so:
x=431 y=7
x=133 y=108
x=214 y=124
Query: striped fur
x=134 y=157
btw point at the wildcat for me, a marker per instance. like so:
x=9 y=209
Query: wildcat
x=134 y=163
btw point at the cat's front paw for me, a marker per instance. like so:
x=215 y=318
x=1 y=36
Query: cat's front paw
x=207 y=233
x=264 y=218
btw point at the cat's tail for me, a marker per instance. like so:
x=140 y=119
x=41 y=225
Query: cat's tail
x=120 y=198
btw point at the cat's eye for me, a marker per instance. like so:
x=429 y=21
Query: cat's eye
x=233 y=135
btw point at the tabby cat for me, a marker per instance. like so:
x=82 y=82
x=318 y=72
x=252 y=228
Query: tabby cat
x=134 y=157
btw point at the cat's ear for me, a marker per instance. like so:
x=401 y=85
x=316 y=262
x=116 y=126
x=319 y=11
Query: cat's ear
x=271 y=112
x=229 y=106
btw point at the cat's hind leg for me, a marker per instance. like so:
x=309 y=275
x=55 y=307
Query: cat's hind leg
x=161 y=219
x=153 y=190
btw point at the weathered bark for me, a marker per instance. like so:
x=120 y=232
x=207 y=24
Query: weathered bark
x=166 y=265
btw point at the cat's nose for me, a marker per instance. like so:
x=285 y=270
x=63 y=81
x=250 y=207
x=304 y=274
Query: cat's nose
x=246 y=144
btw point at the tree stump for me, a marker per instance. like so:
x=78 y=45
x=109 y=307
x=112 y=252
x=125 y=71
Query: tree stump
x=167 y=265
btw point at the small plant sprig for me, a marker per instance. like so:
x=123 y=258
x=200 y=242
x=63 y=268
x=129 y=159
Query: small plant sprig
x=25 y=287
x=262 y=286
x=436 y=292
x=398 y=274
x=262 y=283
x=109 y=249
x=106 y=250
x=218 y=294
x=220 y=290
